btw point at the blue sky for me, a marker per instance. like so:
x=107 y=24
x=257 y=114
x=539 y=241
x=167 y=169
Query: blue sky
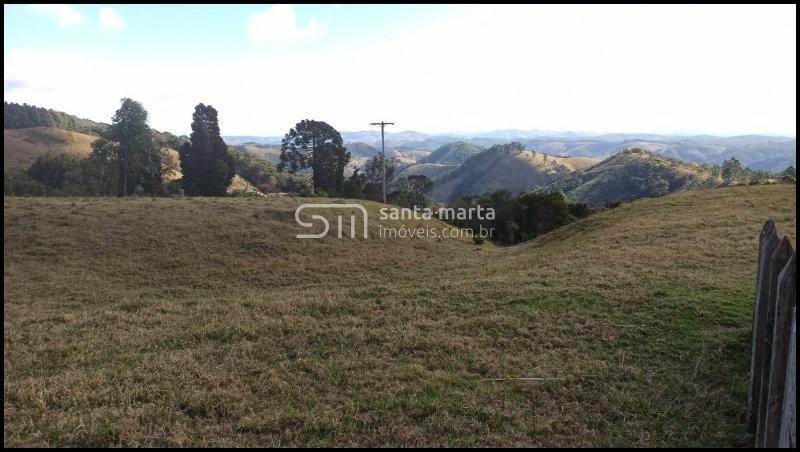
x=725 y=70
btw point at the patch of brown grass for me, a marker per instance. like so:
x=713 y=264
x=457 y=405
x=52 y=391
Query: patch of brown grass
x=21 y=147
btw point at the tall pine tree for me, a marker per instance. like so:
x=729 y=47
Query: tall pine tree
x=208 y=168
x=128 y=145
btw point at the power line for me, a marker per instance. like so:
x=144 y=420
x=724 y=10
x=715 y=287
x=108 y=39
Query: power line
x=383 y=154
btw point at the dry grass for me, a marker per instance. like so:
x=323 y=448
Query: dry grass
x=570 y=163
x=21 y=147
x=239 y=185
x=205 y=322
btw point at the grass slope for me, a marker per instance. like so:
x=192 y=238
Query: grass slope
x=21 y=147
x=205 y=322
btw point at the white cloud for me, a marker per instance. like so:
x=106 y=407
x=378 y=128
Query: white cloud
x=278 y=24
x=110 y=20
x=609 y=71
x=64 y=15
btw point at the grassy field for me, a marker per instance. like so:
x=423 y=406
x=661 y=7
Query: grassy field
x=205 y=322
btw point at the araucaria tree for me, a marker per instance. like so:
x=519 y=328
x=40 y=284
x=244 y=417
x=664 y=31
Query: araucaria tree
x=207 y=166
x=126 y=155
x=316 y=145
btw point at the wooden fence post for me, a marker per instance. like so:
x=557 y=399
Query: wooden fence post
x=768 y=242
x=776 y=384
x=788 y=432
x=778 y=260
x=771 y=402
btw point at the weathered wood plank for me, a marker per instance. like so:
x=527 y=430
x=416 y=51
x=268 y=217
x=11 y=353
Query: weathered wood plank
x=776 y=264
x=768 y=243
x=788 y=430
x=776 y=385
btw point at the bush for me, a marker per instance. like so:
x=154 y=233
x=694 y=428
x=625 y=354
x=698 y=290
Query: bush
x=579 y=210
x=19 y=183
x=56 y=171
x=174 y=187
x=478 y=239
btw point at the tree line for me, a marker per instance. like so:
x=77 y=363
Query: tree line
x=317 y=146
x=20 y=116
x=127 y=159
x=520 y=218
x=733 y=173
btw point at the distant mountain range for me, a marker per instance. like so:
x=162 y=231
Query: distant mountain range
x=587 y=169
x=754 y=151
x=758 y=152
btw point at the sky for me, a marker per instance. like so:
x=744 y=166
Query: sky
x=671 y=69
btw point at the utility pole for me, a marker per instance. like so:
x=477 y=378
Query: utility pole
x=383 y=154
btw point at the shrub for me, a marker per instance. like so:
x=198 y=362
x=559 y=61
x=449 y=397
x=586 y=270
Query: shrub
x=19 y=183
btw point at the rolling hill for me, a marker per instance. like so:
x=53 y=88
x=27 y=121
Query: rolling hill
x=21 y=147
x=269 y=152
x=631 y=174
x=361 y=152
x=509 y=167
x=202 y=321
x=23 y=116
x=452 y=153
x=359 y=149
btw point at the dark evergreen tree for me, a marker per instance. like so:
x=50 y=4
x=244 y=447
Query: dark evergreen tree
x=543 y=212
x=128 y=146
x=354 y=185
x=316 y=145
x=100 y=171
x=208 y=168
x=731 y=170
